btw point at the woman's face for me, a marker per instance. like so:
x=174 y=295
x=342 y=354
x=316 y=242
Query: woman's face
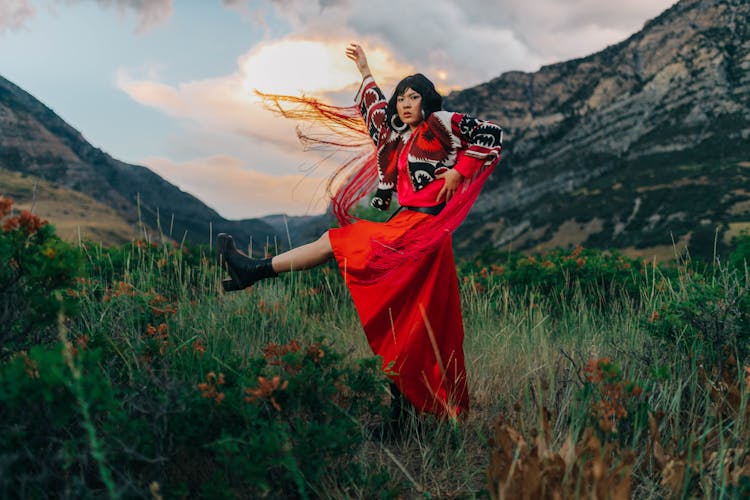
x=409 y=107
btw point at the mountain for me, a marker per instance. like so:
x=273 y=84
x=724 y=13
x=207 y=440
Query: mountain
x=631 y=147
x=37 y=142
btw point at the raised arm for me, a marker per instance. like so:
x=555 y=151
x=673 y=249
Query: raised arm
x=370 y=99
x=357 y=54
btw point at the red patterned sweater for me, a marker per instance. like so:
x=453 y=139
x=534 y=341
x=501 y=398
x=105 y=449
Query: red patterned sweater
x=408 y=161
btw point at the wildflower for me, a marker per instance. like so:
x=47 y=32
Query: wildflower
x=199 y=348
x=208 y=389
x=49 y=253
x=30 y=222
x=315 y=352
x=125 y=289
x=654 y=316
x=10 y=224
x=273 y=352
x=5 y=204
x=159 y=306
x=265 y=390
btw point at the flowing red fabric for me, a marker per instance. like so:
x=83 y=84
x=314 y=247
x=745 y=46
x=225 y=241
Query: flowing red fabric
x=416 y=329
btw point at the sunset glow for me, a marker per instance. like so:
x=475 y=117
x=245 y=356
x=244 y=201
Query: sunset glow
x=310 y=66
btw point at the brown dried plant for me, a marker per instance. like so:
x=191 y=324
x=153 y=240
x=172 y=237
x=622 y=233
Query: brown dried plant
x=584 y=469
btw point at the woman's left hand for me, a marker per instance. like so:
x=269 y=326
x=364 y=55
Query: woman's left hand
x=453 y=180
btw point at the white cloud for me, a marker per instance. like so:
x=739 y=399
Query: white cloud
x=558 y=31
x=217 y=105
x=14 y=14
x=236 y=191
x=474 y=40
x=150 y=13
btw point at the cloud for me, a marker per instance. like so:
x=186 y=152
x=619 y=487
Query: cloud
x=563 y=30
x=236 y=191
x=474 y=40
x=220 y=105
x=150 y=13
x=14 y=14
x=228 y=106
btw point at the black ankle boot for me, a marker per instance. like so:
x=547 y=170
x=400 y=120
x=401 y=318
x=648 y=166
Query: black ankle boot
x=244 y=270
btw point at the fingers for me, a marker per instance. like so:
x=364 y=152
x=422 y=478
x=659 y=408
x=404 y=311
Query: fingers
x=445 y=194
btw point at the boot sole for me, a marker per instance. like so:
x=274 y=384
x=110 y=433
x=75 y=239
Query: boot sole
x=229 y=285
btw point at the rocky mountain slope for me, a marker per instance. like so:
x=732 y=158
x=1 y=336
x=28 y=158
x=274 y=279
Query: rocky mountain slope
x=625 y=147
x=35 y=141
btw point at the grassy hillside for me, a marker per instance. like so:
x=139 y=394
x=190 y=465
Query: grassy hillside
x=75 y=216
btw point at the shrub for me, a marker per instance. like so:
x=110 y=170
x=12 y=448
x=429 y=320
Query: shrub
x=287 y=422
x=40 y=269
x=704 y=316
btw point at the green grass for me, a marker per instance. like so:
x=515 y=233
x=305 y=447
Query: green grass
x=524 y=351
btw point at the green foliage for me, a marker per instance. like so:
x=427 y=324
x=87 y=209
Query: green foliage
x=43 y=445
x=288 y=422
x=40 y=269
x=599 y=277
x=704 y=316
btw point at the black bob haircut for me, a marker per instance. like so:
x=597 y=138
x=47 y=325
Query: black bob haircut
x=431 y=100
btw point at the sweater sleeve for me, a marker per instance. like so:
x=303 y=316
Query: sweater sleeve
x=480 y=140
x=372 y=104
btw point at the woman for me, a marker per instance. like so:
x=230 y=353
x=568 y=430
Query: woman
x=401 y=273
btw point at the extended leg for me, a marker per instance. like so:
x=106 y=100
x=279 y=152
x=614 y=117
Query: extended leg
x=305 y=257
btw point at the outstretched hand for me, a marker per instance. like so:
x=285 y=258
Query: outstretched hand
x=357 y=54
x=453 y=179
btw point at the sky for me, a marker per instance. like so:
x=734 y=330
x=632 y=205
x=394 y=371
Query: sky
x=169 y=84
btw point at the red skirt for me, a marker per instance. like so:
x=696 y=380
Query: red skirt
x=414 y=324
